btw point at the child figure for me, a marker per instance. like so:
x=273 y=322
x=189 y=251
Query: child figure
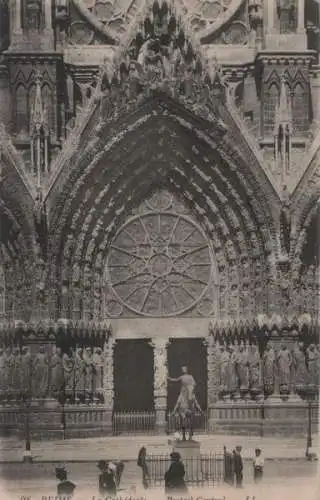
x=258 y=464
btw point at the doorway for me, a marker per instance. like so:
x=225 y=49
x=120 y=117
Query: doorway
x=133 y=376
x=192 y=353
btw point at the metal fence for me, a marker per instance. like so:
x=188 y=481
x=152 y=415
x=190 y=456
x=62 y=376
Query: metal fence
x=200 y=423
x=205 y=470
x=134 y=422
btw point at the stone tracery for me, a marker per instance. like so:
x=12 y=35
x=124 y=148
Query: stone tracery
x=160 y=262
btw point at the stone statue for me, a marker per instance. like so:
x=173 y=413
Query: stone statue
x=254 y=368
x=33 y=10
x=89 y=370
x=79 y=373
x=242 y=366
x=25 y=371
x=16 y=367
x=2 y=373
x=284 y=361
x=187 y=402
x=97 y=360
x=40 y=374
x=8 y=371
x=300 y=372
x=313 y=364
x=269 y=364
x=68 y=366
x=233 y=381
x=57 y=374
x=285 y=224
x=187 y=386
x=224 y=364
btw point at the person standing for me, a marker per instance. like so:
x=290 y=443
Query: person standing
x=174 y=477
x=228 y=467
x=107 y=484
x=65 y=487
x=143 y=464
x=238 y=466
x=258 y=464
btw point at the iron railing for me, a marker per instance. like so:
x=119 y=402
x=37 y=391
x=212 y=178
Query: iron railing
x=206 y=470
x=133 y=422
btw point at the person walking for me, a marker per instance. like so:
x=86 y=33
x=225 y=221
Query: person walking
x=238 y=466
x=143 y=464
x=65 y=488
x=258 y=464
x=174 y=477
x=228 y=467
x=107 y=484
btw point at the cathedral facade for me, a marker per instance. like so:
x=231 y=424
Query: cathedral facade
x=159 y=207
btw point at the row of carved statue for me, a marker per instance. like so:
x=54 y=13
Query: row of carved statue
x=79 y=372
x=243 y=369
x=82 y=373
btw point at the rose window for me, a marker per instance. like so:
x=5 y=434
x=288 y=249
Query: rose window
x=159 y=263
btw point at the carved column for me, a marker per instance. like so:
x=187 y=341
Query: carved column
x=160 y=382
x=108 y=381
x=213 y=379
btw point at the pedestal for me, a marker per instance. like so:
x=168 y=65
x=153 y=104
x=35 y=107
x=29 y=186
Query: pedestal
x=190 y=456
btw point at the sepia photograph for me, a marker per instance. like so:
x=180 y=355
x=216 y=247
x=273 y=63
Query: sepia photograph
x=159 y=249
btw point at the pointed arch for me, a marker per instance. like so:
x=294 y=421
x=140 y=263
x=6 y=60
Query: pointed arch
x=161 y=147
x=31 y=102
x=300 y=108
x=21 y=111
x=47 y=98
x=270 y=105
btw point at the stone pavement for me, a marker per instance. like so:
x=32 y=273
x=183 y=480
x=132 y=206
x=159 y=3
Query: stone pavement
x=127 y=447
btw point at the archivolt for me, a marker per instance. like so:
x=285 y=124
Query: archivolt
x=156 y=150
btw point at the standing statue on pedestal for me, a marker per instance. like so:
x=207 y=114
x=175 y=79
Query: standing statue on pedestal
x=25 y=372
x=284 y=360
x=224 y=370
x=269 y=360
x=8 y=371
x=40 y=374
x=79 y=376
x=300 y=373
x=233 y=381
x=187 y=403
x=68 y=365
x=313 y=364
x=57 y=374
x=97 y=359
x=255 y=370
x=242 y=364
x=2 y=375
x=16 y=367
x=89 y=373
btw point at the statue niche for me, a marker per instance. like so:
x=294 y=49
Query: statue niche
x=32 y=15
x=287 y=16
